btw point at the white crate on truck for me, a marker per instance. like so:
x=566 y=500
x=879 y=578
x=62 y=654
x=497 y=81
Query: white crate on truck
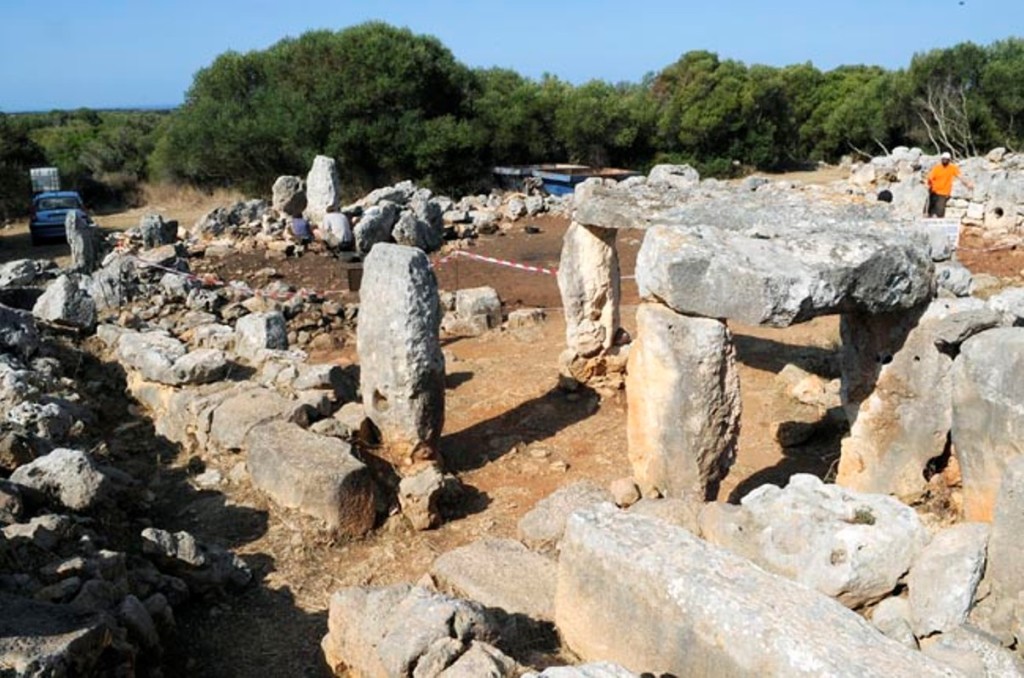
x=44 y=179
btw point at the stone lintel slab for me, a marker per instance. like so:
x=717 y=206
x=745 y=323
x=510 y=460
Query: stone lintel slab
x=778 y=276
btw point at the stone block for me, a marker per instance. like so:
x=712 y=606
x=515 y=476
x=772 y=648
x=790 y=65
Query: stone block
x=655 y=598
x=314 y=474
x=499 y=573
x=684 y=404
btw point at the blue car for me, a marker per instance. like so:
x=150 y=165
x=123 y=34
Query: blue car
x=49 y=210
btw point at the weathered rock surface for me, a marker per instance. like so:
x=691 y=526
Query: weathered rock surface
x=257 y=331
x=1005 y=548
x=156 y=232
x=594 y=670
x=153 y=354
x=401 y=365
x=312 y=473
x=20 y=272
x=419 y=496
x=375 y=226
x=499 y=573
x=477 y=310
x=18 y=332
x=684 y=405
x=400 y=631
x=323 y=188
x=68 y=477
x=773 y=265
x=67 y=302
x=588 y=280
x=541 y=528
x=988 y=414
x=973 y=653
x=945 y=576
x=655 y=598
x=84 y=241
x=235 y=415
x=892 y=617
x=851 y=546
x=897 y=389
x=412 y=231
x=289 y=195
x=42 y=639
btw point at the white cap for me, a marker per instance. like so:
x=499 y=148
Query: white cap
x=945 y=155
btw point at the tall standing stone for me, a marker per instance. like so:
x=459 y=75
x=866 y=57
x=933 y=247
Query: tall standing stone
x=897 y=390
x=988 y=414
x=401 y=364
x=684 y=403
x=588 y=279
x=323 y=188
x=84 y=241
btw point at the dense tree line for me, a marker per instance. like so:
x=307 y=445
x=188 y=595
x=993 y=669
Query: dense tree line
x=389 y=104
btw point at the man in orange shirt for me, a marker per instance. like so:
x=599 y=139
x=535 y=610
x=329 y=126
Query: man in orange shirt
x=940 y=185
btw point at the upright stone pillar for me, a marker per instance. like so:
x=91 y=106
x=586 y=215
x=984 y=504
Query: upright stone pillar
x=401 y=364
x=988 y=418
x=684 y=403
x=897 y=396
x=84 y=241
x=588 y=279
x=323 y=188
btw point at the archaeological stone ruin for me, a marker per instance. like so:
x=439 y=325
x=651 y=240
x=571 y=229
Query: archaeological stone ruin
x=156 y=412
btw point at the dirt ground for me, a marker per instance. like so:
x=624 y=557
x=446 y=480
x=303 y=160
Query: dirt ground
x=510 y=435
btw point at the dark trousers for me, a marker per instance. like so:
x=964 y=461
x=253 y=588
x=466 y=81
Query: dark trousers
x=937 y=205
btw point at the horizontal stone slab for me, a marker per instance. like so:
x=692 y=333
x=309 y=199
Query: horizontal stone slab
x=781 y=275
x=653 y=597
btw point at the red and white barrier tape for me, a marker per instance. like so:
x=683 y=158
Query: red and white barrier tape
x=499 y=262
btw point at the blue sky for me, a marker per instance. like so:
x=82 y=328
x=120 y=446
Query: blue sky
x=110 y=53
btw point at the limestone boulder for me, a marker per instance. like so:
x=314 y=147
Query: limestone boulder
x=683 y=406
x=677 y=176
x=892 y=617
x=988 y=414
x=541 y=528
x=375 y=226
x=316 y=475
x=201 y=366
x=152 y=354
x=156 y=231
x=499 y=573
x=972 y=652
x=68 y=478
x=236 y=412
x=945 y=576
x=401 y=631
x=67 y=302
x=289 y=195
x=402 y=375
x=45 y=639
x=655 y=598
x=20 y=272
x=851 y=546
x=412 y=231
x=18 y=332
x=476 y=310
x=258 y=331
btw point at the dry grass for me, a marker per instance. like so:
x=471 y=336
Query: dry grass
x=184 y=203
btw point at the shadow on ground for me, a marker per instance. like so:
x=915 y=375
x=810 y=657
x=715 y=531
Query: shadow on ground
x=531 y=421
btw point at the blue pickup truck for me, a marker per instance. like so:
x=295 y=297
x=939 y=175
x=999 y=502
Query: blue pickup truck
x=49 y=211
